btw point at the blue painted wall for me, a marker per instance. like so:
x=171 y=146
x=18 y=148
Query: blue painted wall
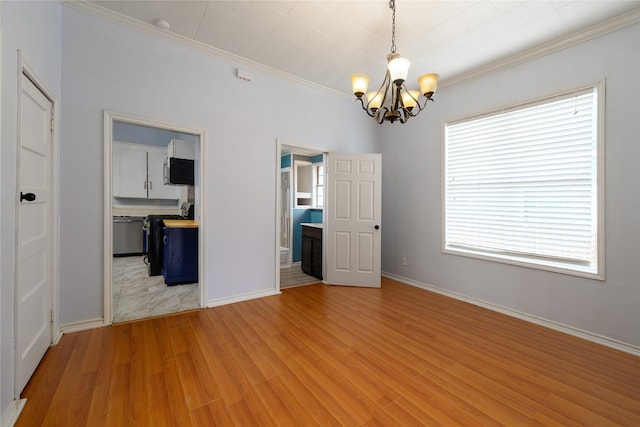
x=315 y=216
x=285 y=161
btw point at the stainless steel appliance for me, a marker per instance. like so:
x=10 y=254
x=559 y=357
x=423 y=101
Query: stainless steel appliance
x=127 y=235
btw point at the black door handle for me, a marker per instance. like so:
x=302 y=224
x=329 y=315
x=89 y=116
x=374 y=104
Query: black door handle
x=377 y=227
x=29 y=197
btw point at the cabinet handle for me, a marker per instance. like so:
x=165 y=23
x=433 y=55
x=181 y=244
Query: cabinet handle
x=150 y=185
x=377 y=227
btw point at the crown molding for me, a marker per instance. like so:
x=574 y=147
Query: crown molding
x=115 y=17
x=605 y=27
x=581 y=36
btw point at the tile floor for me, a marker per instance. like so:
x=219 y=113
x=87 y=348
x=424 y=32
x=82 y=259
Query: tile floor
x=294 y=276
x=136 y=295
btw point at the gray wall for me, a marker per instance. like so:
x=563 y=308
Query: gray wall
x=106 y=66
x=34 y=28
x=138 y=134
x=412 y=188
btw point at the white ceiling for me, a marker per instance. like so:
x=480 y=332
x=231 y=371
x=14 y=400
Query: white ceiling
x=325 y=42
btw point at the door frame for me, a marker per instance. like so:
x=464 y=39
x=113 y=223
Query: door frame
x=54 y=330
x=109 y=118
x=289 y=171
x=278 y=201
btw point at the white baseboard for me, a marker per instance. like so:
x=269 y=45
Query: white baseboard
x=244 y=297
x=82 y=325
x=56 y=337
x=589 y=336
x=12 y=413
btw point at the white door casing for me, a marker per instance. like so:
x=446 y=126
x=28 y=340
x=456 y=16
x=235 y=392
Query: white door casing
x=34 y=267
x=110 y=147
x=353 y=213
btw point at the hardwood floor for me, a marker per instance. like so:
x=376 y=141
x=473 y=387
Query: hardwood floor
x=321 y=355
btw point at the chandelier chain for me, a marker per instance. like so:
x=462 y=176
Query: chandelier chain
x=392 y=5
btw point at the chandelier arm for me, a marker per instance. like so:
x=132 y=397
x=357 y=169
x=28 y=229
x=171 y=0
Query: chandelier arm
x=398 y=97
x=421 y=107
x=380 y=114
x=404 y=87
x=385 y=85
x=405 y=116
x=365 y=108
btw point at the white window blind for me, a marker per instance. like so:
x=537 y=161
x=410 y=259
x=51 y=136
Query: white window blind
x=521 y=184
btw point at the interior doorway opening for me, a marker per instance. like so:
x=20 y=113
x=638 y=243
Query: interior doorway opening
x=153 y=218
x=300 y=203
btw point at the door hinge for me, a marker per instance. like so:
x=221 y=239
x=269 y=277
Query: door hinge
x=51 y=312
x=51 y=122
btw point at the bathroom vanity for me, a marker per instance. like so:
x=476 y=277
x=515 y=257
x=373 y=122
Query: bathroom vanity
x=312 y=249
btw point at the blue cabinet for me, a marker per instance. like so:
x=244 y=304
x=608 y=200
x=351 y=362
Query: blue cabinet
x=180 y=257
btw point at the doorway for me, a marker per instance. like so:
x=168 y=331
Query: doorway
x=141 y=203
x=300 y=200
x=350 y=231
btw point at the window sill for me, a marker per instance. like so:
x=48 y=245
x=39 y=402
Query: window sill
x=556 y=267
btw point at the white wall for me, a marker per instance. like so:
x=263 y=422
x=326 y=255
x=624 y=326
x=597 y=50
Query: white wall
x=106 y=66
x=34 y=28
x=412 y=185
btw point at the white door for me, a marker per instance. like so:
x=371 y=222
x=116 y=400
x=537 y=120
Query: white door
x=353 y=213
x=34 y=222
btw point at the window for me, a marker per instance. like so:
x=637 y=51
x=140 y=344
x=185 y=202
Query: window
x=319 y=185
x=524 y=185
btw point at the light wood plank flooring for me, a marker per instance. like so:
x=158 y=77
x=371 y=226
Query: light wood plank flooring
x=319 y=355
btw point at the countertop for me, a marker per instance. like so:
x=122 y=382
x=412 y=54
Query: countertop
x=180 y=223
x=311 y=224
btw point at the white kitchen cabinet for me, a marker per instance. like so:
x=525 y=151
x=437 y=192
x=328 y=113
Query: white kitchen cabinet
x=137 y=172
x=156 y=188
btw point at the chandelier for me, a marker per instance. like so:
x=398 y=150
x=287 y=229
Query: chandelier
x=394 y=101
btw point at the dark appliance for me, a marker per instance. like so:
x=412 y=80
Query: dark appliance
x=155 y=245
x=178 y=171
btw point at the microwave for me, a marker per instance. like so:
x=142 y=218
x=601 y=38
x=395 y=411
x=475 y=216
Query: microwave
x=178 y=171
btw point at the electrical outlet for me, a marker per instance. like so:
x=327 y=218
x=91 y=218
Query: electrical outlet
x=404 y=261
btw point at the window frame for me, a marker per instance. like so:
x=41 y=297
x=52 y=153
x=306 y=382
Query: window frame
x=316 y=178
x=531 y=262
